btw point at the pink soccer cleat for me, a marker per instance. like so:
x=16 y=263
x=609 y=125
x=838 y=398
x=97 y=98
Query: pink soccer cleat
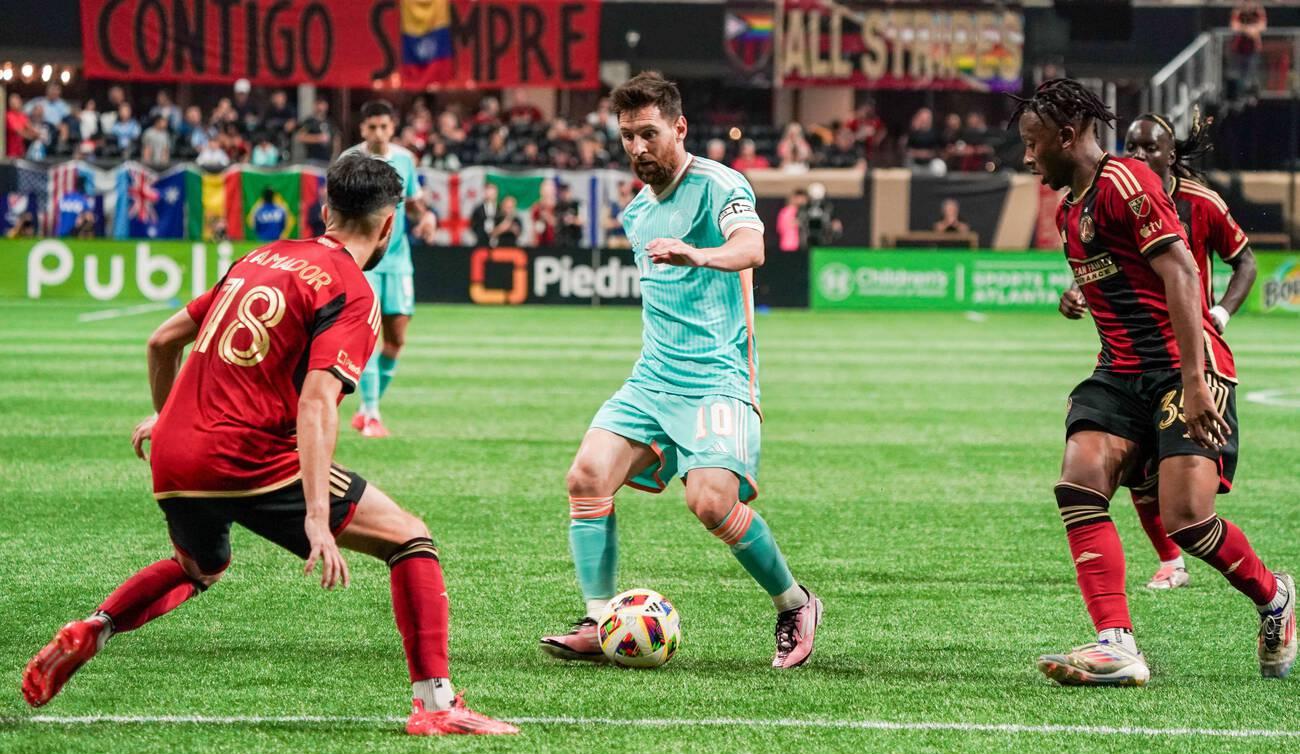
x=70 y=648
x=455 y=720
x=1169 y=577
x=1096 y=664
x=374 y=428
x=795 y=631
x=359 y=421
x=579 y=644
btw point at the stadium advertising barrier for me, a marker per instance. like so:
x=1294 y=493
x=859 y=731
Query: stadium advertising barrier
x=414 y=44
x=128 y=271
x=879 y=46
x=1277 y=288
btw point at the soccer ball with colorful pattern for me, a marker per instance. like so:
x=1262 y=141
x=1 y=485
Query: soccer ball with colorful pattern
x=639 y=629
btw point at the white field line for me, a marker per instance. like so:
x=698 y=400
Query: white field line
x=719 y=722
x=1284 y=397
x=125 y=311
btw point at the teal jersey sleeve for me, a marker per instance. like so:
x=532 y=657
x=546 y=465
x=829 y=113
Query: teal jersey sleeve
x=698 y=336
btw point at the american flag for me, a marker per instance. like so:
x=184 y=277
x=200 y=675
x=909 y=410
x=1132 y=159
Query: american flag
x=34 y=183
x=63 y=179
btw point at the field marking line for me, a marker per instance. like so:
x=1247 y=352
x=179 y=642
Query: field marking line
x=124 y=311
x=719 y=722
x=1286 y=397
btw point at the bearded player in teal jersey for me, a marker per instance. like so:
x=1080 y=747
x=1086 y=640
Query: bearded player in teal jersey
x=690 y=408
x=394 y=278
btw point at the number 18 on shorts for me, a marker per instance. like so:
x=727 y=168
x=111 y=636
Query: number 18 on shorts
x=686 y=432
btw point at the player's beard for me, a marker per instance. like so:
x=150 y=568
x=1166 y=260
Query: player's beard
x=380 y=250
x=651 y=171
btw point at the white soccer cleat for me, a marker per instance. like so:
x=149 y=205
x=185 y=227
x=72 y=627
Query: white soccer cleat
x=1096 y=664
x=1277 y=639
x=1169 y=577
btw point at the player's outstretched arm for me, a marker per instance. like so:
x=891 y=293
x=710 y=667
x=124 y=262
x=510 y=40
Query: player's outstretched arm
x=318 y=428
x=1177 y=269
x=166 y=346
x=742 y=251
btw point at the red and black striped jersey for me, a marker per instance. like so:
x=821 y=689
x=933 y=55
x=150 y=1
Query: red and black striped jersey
x=229 y=426
x=1210 y=227
x=1110 y=234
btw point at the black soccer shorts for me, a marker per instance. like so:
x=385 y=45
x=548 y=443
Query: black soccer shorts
x=200 y=526
x=1147 y=409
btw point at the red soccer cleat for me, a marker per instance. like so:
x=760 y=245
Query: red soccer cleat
x=70 y=648
x=359 y=421
x=374 y=428
x=456 y=720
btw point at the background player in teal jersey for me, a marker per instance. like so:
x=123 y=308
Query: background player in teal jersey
x=690 y=408
x=394 y=278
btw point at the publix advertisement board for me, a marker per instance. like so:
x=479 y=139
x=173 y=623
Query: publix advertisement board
x=843 y=278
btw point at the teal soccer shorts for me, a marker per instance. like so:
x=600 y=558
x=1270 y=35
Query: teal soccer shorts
x=395 y=291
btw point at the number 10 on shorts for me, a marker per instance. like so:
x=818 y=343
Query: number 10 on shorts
x=718 y=416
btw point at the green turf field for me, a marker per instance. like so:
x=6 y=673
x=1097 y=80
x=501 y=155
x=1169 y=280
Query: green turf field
x=908 y=463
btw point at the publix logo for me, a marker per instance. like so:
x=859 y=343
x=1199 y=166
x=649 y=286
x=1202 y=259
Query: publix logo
x=1282 y=290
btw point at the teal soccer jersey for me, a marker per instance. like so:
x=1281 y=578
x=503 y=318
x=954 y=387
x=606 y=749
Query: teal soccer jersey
x=398 y=257
x=698 y=323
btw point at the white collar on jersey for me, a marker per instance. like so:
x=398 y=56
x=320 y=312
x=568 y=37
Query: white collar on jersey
x=677 y=178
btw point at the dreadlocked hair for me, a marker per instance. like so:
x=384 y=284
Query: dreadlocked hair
x=1062 y=101
x=1188 y=150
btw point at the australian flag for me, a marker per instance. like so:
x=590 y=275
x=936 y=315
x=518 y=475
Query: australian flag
x=149 y=205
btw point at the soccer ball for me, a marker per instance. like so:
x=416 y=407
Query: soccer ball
x=639 y=629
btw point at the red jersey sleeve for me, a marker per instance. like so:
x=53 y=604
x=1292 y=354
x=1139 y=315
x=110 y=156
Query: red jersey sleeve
x=198 y=308
x=1226 y=236
x=343 y=336
x=1137 y=203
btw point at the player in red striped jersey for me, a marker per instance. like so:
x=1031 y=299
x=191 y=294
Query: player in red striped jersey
x=245 y=434
x=1130 y=258
x=1211 y=230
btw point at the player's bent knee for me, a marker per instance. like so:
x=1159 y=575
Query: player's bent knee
x=710 y=506
x=197 y=574
x=585 y=480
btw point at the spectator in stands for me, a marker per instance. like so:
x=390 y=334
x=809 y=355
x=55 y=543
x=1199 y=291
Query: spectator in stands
x=439 y=157
x=212 y=155
x=976 y=131
x=867 y=128
x=507 y=229
x=242 y=103
x=950 y=218
x=615 y=233
x=414 y=141
x=489 y=113
x=793 y=151
x=156 y=143
x=591 y=155
x=483 y=219
x=789 y=229
x=164 y=106
x=749 y=158
x=544 y=216
x=222 y=114
x=529 y=156
x=116 y=97
x=233 y=142
x=450 y=129
x=817 y=218
x=843 y=151
x=265 y=152
x=18 y=128
x=1248 y=22
x=497 y=149
x=971 y=150
x=38 y=145
x=922 y=143
x=53 y=106
x=604 y=122
x=317 y=134
x=193 y=135
x=716 y=150
x=569 y=212
x=125 y=131
x=951 y=132
x=89 y=117
x=281 y=119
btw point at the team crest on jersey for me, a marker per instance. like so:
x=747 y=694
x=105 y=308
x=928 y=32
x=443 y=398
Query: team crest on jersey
x=1087 y=229
x=1140 y=205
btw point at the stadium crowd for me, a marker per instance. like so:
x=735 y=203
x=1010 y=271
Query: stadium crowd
x=269 y=131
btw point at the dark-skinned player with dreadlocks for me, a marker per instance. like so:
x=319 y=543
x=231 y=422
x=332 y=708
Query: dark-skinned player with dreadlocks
x=1211 y=231
x=1129 y=255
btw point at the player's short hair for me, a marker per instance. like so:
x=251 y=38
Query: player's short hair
x=377 y=108
x=360 y=186
x=1063 y=102
x=645 y=89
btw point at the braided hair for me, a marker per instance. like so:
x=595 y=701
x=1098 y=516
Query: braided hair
x=1194 y=147
x=1062 y=101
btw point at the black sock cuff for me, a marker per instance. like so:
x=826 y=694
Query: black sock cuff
x=1201 y=540
x=419 y=547
x=1080 y=506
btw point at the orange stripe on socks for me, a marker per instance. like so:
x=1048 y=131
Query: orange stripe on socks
x=735 y=525
x=590 y=507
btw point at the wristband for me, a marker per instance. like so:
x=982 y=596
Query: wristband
x=1220 y=317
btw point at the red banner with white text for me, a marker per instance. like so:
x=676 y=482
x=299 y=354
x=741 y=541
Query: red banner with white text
x=413 y=44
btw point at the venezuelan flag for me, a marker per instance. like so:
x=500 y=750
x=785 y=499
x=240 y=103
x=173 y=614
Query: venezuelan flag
x=426 y=41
